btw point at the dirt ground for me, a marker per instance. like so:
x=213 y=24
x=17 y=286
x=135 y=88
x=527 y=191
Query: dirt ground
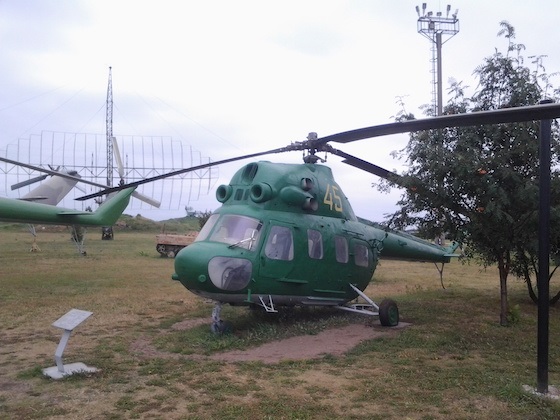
x=333 y=341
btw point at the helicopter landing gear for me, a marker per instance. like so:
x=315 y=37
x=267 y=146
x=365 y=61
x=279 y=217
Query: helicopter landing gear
x=387 y=310
x=78 y=236
x=268 y=307
x=218 y=325
x=388 y=313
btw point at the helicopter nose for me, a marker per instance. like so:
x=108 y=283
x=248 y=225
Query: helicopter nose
x=191 y=264
x=200 y=266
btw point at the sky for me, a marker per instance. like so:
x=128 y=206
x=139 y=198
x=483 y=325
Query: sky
x=229 y=78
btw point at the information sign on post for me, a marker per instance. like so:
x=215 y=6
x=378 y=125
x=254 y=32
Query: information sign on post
x=67 y=322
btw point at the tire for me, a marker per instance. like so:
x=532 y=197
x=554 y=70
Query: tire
x=388 y=313
x=220 y=328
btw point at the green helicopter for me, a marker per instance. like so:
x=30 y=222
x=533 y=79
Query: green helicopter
x=286 y=235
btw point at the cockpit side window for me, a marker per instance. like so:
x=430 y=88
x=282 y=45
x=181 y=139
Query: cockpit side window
x=280 y=244
x=341 y=249
x=361 y=255
x=315 y=244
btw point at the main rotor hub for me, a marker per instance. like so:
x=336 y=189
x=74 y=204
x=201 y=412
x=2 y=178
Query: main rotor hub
x=312 y=146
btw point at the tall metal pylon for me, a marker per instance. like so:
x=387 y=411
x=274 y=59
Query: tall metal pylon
x=107 y=231
x=434 y=27
x=109 y=129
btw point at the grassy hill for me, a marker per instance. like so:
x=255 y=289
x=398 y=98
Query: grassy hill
x=140 y=223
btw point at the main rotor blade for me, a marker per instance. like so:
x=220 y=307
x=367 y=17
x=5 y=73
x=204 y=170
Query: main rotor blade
x=51 y=172
x=146 y=199
x=75 y=178
x=367 y=166
x=28 y=182
x=179 y=172
x=120 y=169
x=506 y=115
x=117 y=154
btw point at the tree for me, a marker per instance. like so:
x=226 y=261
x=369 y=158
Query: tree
x=203 y=218
x=480 y=184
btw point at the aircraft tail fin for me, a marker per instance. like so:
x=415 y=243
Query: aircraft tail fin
x=106 y=215
x=51 y=191
x=109 y=212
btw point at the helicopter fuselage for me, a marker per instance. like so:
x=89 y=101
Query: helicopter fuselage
x=286 y=234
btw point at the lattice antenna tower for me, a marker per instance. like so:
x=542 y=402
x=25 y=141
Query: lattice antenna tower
x=109 y=129
x=107 y=231
x=85 y=153
x=434 y=27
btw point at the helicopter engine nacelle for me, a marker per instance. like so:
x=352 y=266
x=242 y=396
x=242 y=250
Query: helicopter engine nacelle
x=223 y=193
x=286 y=188
x=295 y=196
x=262 y=192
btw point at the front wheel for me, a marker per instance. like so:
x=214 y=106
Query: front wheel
x=388 y=313
x=220 y=327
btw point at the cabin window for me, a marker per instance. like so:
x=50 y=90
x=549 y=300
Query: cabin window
x=203 y=234
x=361 y=255
x=315 y=244
x=341 y=249
x=280 y=244
x=237 y=231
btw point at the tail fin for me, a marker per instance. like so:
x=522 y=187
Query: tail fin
x=106 y=215
x=51 y=191
x=110 y=211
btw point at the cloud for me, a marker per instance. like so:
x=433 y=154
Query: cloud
x=231 y=78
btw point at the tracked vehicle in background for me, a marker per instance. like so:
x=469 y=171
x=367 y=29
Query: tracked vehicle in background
x=169 y=244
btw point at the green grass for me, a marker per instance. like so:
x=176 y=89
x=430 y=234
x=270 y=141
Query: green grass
x=453 y=362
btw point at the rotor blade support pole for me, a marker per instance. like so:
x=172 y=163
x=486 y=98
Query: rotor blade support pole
x=543 y=256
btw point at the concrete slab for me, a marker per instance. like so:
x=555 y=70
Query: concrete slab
x=552 y=394
x=69 y=369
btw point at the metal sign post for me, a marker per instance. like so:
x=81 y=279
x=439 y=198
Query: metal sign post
x=544 y=257
x=67 y=322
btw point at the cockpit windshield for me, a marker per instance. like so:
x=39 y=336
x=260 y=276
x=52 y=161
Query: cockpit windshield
x=236 y=231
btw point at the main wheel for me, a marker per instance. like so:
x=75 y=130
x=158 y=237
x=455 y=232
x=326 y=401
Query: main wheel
x=220 y=327
x=388 y=313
